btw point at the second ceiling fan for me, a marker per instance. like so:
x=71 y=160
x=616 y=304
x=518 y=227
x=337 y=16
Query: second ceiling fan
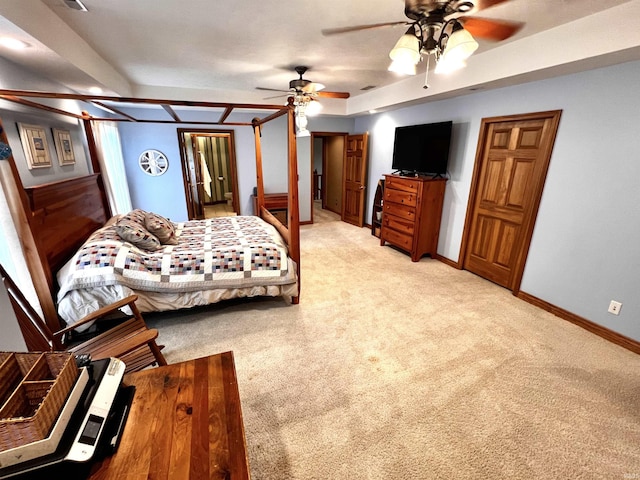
x=302 y=86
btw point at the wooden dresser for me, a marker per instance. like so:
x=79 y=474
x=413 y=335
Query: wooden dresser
x=412 y=209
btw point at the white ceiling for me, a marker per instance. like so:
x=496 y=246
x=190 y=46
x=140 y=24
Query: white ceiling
x=219 y=51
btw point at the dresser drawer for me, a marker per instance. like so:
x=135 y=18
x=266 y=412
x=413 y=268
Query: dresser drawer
x=405 y=184
x=403 y=211
x=399 y=196
x=401 y=240
x=398 y=224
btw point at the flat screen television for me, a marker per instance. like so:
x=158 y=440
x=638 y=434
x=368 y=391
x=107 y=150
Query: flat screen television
x=422 y=149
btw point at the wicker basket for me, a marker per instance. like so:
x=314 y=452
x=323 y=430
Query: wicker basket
x=33 y=389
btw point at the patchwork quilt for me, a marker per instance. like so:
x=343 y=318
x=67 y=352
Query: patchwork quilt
x=226 y=252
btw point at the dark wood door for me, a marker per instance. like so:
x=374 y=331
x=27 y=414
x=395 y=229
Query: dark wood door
x=354 y=179
x=511 y=167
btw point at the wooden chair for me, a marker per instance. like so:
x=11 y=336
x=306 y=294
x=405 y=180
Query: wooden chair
x=131 y=340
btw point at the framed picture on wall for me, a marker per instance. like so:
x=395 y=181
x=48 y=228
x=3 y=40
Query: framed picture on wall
x=64 y=147
x=34 y=143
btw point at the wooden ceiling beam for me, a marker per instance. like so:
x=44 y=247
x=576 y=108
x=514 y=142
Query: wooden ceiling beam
x=186 y=122
x=172 y=114
x=226 y=114
x=260 y=121
x=111 y=109
x=18 y=96
x=41 y=106
x=152 y=101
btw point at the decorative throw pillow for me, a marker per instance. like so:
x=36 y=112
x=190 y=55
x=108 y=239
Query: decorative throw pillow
x=113 y=220
x=136 y=215
x=136 y=234
x=161 y=227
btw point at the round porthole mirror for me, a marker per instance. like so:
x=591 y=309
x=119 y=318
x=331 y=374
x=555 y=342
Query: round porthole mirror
x=153 y=162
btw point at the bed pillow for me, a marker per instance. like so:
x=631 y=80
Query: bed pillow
x=161 y=227
x=132 y=232
x=113 y=220
x=136 y=215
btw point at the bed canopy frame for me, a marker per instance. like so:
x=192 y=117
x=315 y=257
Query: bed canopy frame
x=54 y=219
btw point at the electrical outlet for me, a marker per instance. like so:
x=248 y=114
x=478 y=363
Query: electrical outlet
x=614 y=307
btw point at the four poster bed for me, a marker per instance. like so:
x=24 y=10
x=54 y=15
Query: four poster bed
x=83 y=258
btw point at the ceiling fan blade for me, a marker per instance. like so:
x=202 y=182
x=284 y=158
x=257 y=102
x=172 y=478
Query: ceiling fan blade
x=273 y=90
x=482 y=4
x=283 y=93
x=277 y=96
x=490 y=29
x=333 y=94
x=312 y=87
x=333 y=31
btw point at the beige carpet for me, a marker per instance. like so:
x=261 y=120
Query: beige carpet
x=389 y=369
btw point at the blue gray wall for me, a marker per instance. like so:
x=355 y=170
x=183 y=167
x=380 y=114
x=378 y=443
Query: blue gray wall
x=165 y=194
x=584 y=250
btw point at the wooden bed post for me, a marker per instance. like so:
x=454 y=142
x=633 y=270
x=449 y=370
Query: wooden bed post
x=17 y=202
x=257 y=133
x=293 y=207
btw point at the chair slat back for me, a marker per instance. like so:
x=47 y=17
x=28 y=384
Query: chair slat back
x=37 y=335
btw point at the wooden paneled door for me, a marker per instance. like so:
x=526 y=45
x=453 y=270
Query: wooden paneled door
x=511 y=166
x=354 y=179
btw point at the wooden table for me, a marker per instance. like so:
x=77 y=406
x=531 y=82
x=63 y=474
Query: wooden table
x=185 y=423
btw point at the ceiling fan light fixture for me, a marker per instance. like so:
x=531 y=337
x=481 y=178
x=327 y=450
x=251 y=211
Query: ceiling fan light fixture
x=301 y=103
x=402 y=67
x=313 y=108
x=405 y=55
x=460 y=45
x=407 y=48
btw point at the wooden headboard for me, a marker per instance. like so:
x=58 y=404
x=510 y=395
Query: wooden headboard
x=63 y=215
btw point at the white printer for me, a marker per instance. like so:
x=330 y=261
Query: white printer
x=88 y=427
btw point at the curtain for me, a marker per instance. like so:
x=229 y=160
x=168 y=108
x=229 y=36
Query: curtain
x=112 y=165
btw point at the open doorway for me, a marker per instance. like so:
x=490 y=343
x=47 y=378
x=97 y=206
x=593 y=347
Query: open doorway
x=339 y=167
x=209 y=172
x=327 y=162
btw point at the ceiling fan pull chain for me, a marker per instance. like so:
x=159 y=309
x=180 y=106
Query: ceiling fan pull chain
x=426 y=75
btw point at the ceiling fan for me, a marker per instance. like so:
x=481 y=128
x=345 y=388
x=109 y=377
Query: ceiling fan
x=302 y=95
x=303 y=87
x=440 y=28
